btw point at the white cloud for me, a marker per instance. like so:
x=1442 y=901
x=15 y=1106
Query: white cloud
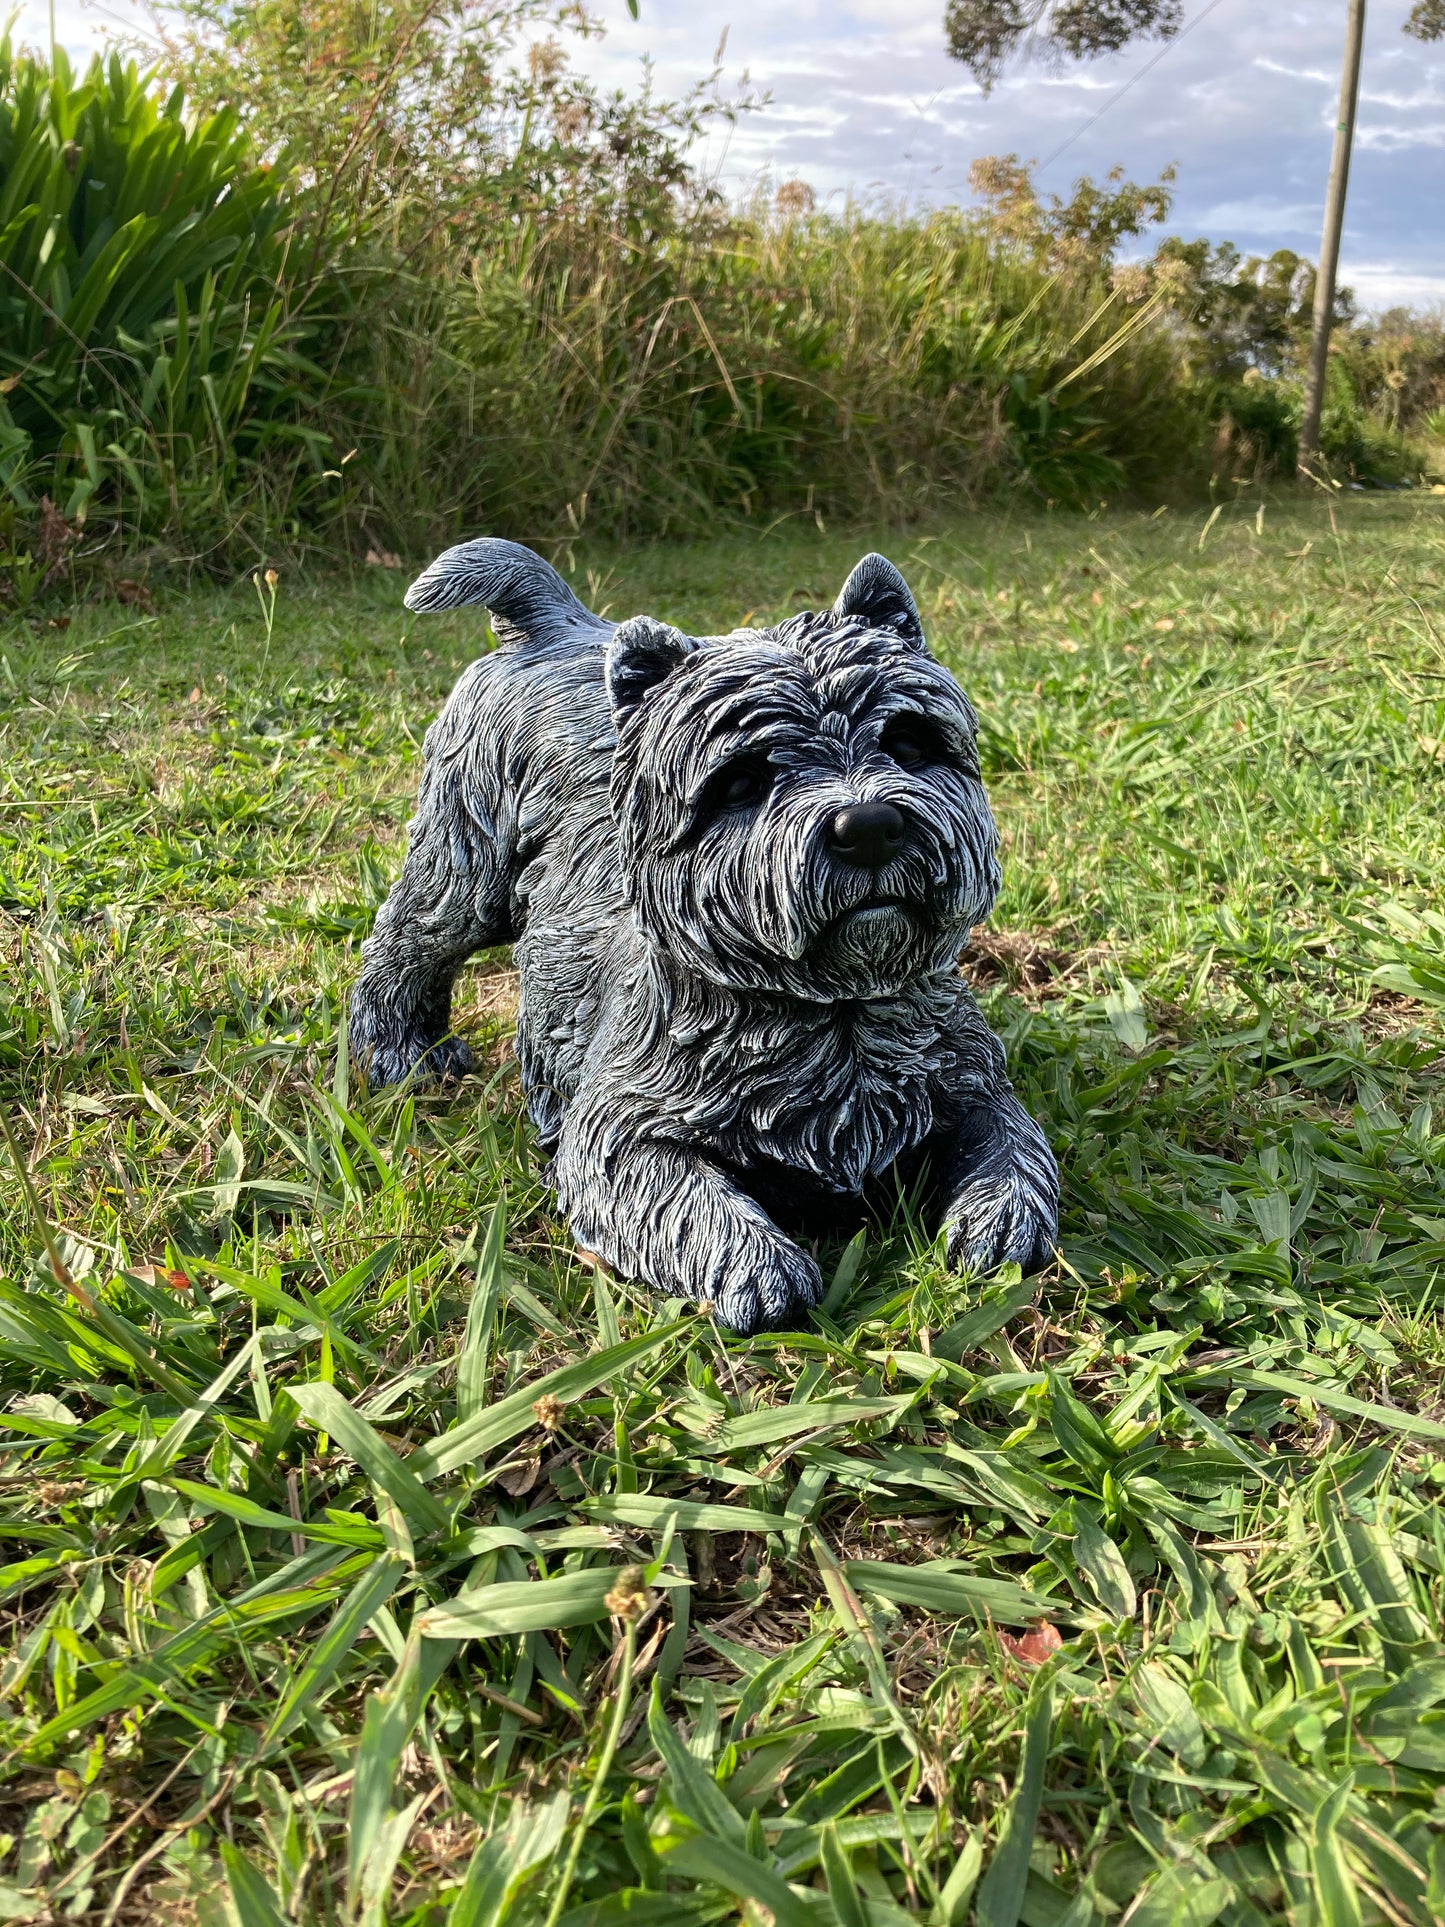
x=1386 y=287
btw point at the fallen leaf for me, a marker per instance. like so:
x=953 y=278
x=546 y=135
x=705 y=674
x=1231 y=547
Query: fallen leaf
x=1032 y=1648
x=1164 y=625
x=517 y=1480
x=159 y=1275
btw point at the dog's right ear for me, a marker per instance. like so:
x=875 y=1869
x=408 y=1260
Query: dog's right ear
x=877 y=592
x=642 y=653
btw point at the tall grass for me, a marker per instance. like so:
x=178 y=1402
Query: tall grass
x=503 y=302
x=764 y=365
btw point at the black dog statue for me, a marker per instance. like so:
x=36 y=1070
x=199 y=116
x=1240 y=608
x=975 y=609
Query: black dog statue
x=738 y=871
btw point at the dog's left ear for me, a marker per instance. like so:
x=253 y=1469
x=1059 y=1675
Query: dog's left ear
x=642 y=653
x=877 y=592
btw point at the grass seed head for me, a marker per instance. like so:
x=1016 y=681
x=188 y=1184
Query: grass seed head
x=628 y=1599
x=548 y=1410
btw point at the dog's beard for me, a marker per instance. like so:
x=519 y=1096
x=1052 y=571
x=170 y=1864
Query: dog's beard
x=878 y=945
x=830 y=933
x=867 y=934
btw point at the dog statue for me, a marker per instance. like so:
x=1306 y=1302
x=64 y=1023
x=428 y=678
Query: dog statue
x=738 y=872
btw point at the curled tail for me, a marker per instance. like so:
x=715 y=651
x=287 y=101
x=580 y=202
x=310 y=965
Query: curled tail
x=526 y=598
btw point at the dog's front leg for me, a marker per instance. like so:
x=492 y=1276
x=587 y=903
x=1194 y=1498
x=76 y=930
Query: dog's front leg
x=660 y=1213
x=999 y=1187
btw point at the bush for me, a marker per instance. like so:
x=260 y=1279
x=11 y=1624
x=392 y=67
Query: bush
x=765 y=364
x=147 y=354
x=487 y=296
x=542 y=317
x=1245 y=329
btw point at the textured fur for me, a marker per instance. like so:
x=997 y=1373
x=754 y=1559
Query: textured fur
x=738 y=871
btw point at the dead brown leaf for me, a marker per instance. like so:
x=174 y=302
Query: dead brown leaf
x=1032 y=1648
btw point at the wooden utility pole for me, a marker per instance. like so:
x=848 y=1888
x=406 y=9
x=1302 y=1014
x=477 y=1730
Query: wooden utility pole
x=1324 y=313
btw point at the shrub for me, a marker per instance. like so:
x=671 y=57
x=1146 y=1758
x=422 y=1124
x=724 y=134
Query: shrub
x=542 y=316
x=1245 y=329
x=147 y=354
x=763 y=364
x=516 y=304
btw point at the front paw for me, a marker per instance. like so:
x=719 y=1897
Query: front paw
x=771 y=1286
x=1001 y=1221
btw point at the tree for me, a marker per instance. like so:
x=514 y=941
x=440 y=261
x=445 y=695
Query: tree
x=983 y=34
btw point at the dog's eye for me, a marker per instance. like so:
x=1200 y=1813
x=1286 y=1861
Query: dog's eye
x=739 y=785
x=912 y=742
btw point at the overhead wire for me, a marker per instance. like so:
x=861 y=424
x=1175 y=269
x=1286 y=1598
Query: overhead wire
x=1133 y=81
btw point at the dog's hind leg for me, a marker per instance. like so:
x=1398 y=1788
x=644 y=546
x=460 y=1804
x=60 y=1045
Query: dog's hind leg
x=450 y=900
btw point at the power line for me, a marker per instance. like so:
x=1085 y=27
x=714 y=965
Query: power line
x=1133 y=81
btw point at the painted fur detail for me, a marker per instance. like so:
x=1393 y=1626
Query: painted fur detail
x=738 y=871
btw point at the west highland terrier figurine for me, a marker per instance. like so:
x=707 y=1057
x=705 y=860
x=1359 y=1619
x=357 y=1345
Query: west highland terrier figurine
x=738 y=871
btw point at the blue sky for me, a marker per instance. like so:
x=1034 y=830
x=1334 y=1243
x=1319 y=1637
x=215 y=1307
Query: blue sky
x=865 y=101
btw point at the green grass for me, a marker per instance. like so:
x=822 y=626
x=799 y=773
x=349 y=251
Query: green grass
x=1116 y=1593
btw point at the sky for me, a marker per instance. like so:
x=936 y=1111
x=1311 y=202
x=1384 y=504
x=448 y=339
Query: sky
x=864 y=101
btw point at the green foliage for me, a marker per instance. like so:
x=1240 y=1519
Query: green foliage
x=1244 y=336
x=1081 y=234
x=146 y=358
x=1246 y=313
x=778 y=363
x=371 y=1557
x=486 y=295
x=986 y=34
x=983 y=34
x=501 y=362
x=481 y=351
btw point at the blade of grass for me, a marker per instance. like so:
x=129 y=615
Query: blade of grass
x=1001 y=1891
x=329 y=1412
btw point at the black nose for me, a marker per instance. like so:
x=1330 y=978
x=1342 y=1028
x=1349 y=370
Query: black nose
x=868 y=834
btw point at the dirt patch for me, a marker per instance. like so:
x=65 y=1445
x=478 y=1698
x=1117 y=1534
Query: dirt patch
x=1389 y=1013
x=1029 y=965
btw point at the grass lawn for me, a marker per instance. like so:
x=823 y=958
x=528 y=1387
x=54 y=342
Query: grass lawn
x=1115 y=1593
